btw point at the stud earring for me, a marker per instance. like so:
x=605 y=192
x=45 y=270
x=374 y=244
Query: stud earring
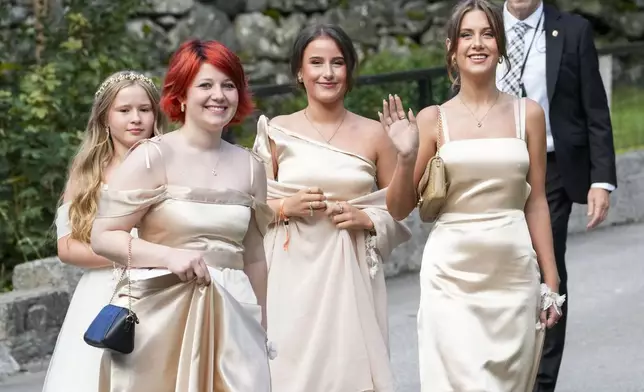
x=183 y=107
x=500 y=60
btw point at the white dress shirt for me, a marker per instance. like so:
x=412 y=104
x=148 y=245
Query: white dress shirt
x=534 y=75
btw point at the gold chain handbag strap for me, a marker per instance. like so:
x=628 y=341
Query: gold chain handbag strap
x=126 y=271
x=425 y=178
x=439 y=130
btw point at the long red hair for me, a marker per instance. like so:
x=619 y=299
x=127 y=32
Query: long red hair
x=184 y=66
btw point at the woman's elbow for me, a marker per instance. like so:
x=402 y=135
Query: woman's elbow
x=399 y=217
x=63 y=251
x=537 y=204
x=399 y=209
x=255 y=259
x=398 y=212
x=97 y=242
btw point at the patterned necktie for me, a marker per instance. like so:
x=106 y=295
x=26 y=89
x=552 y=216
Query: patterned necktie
x=512 y=82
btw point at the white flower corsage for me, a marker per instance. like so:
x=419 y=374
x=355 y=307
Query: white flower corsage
x=551 y=299
x=373 y=259
x=271 y=350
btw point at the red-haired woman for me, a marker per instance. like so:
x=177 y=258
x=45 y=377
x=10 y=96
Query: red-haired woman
x=198 y=279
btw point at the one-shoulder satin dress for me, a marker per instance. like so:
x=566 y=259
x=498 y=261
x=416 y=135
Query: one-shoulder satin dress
x=327 y=300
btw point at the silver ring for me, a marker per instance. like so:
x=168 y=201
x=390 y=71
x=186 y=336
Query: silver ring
x=341 y=207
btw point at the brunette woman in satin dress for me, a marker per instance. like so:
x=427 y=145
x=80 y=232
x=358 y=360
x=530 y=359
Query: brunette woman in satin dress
x=327 y=311
x=482 y=308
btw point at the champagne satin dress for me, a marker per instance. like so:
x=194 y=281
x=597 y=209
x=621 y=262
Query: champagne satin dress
x=327 y=300
x=192 y=338
x=479 y=309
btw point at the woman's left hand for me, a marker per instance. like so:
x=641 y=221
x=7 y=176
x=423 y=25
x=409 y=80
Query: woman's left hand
x=551 y=316
x=346 y=216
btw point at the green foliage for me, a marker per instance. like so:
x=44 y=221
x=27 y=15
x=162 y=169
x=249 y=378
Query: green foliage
x=44 y=106
x=627 y=118
x=626 y=5
x=273 y=14
x=364 y=100
x=416 y=15
x=344 y=4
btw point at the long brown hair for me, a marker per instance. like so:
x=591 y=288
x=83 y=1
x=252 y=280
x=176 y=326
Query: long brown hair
x=97 y=150
x=494 y=16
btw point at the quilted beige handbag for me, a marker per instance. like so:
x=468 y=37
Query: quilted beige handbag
x=433 y=185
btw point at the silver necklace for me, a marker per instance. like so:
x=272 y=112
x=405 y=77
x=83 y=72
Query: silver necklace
x=320 y=133
x=479 y=123
x=214 y=167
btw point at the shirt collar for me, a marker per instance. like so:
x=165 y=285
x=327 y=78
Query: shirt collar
x=509 y=20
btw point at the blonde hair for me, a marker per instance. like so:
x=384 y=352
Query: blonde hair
x=97 y=150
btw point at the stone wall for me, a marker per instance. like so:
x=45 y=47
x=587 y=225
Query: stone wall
x=262 y=31
x=31 y=315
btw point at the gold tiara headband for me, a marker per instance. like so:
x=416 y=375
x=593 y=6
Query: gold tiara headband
x=124 y=76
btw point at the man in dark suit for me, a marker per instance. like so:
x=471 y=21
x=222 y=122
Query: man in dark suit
x=554 y=62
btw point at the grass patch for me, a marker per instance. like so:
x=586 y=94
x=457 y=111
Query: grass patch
x=627 y=115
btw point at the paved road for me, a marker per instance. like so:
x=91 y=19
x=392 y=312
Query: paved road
x=605 y=346
x=605 y=338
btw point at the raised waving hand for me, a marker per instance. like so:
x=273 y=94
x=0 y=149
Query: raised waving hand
x=402 y=129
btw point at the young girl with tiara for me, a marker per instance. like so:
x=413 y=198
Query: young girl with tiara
x=125 y=111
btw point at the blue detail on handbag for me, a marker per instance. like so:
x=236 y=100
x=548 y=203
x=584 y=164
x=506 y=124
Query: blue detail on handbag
x=113 y=327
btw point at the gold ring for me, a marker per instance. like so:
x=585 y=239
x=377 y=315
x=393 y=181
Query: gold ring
x=311 y=208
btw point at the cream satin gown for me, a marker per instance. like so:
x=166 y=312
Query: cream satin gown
x=192 y=338
x=479 y=306
x=327 y=301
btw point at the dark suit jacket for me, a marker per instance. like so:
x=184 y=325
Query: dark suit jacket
x=579 y=114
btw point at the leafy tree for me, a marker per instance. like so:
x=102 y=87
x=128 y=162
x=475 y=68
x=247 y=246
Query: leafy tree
x=49 y=71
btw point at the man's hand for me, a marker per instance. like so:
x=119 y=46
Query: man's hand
x=598 y=204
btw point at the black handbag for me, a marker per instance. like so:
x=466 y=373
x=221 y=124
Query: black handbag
x=113 y=327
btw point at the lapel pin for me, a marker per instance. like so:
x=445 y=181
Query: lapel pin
x=555 y=33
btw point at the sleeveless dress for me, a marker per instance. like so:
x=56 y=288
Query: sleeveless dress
x=480 y=282
x=192 y=338
x=327 y=300
x=74 y=365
